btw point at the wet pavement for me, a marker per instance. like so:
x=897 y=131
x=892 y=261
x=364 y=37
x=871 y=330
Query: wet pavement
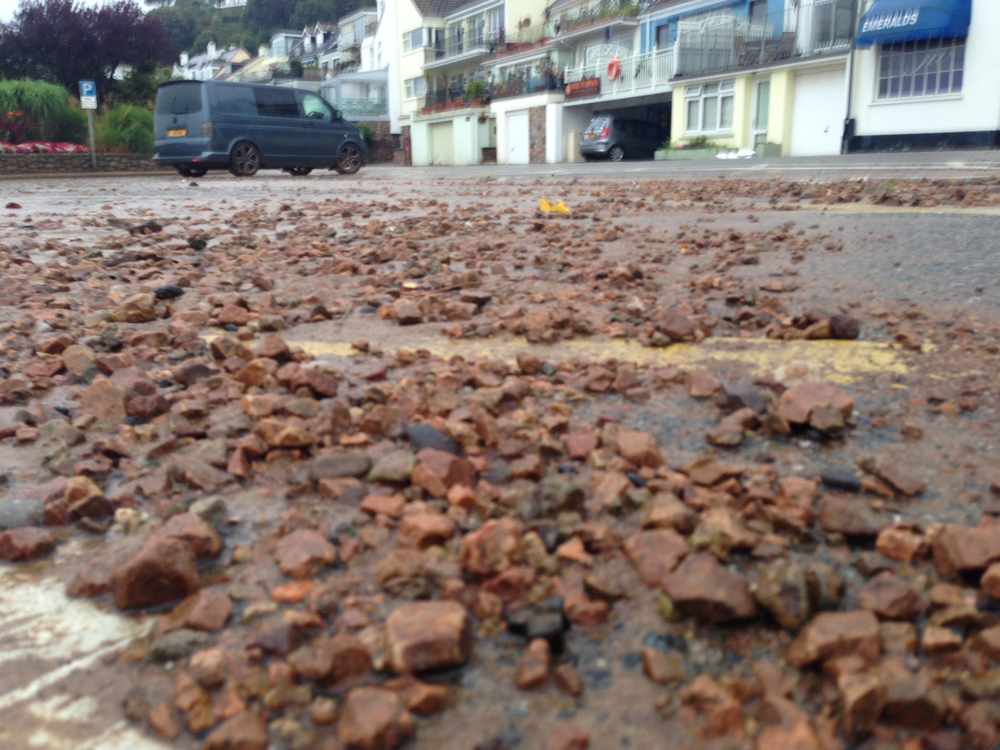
x=663 y=304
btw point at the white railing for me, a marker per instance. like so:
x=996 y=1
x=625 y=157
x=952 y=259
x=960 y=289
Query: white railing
x=638 y=73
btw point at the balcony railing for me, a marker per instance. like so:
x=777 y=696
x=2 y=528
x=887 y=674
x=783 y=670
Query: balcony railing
x=362 y=109
x=639 y=73
x=486 y=42
x=521 y=86
x=596 y=16
x=728 y=43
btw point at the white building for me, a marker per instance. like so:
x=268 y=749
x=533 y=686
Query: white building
x=926 y=75
x=211 y=64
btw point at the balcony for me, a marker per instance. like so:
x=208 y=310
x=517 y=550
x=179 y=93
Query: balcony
x=524 y=85
x=465 y=48
x=724 y=43
x=608 y=15
x=640 y=74
x=360 y=95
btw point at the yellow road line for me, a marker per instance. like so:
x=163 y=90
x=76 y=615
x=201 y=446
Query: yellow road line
x=837 y=361
x=866 y=208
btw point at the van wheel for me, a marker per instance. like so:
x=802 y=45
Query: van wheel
x=244 y=161
x=617 y=153
x=350 y=159
x=298 y=171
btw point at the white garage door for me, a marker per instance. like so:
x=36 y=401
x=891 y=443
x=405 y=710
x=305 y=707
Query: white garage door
x=442 y=143
x=818 y=113
x=518 y=141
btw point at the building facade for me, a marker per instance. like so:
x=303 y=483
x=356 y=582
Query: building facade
x=926 y=76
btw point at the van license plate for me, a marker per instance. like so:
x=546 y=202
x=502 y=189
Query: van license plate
x=177 y=133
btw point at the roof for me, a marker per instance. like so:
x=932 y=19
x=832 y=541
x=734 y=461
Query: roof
x=441 y=8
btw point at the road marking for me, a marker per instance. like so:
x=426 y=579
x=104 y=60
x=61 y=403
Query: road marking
x=867 y=208
x=836 y=361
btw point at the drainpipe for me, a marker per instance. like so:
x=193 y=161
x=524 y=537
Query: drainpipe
x=848 y=120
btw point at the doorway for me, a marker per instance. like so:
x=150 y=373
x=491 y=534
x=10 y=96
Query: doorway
x=760 y=114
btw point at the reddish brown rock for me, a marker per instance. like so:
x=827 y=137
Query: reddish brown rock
x=85 y=499
x=663 y=667
x=891 y=598
x=290 y=433
x=162 y=571
x=426 y=700
x=333 y=659
x=373 y=719
x=703 y=588
x=533 y=669
x=655 y=554
x=580 y=444
x=718 y=708
x=988 y=641
x=990 y=582
x=428 y=635
x=191 y=528
x=834 y=634
x=104 y=401
x=208 y=610
x=163 y=721
x=862 y=698
x=493 y=548
x=901 y=543
x=139 y=308
x=438 y=471
x=245 y=731
x=639 y=448
x=425 y=529
x=896 y=474
x=568 y=680
x=303 y=553
x=568 y=737
x=26 y=543
x=797 y=736
x=384 y=505
x=959 y=549
x=821 y=405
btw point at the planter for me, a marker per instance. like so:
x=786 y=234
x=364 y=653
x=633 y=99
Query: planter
x=683 y=154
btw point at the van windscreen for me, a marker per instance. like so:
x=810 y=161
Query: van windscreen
x=179 y=99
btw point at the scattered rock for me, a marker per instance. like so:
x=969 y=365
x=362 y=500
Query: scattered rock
x=823 y=406
x=701 y=587
x=428 y=635
x=834 y=634
x=533 y=669
x=26 y=543
x=373 y=719
x=303 y=553
x=162 y=571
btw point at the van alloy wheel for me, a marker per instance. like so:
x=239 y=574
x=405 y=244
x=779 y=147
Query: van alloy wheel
x=617 y=153
x=350 y=159
x=244 y=160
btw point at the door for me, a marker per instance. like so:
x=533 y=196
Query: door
x=761 y=112
x=279 y=128
x=818 y=113
x=324 y=133
x=518 y=144
x=442 y=143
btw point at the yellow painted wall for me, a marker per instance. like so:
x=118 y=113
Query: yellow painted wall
x=741 y=106
x=779 y=121
x=411 y=64
x=517 y=10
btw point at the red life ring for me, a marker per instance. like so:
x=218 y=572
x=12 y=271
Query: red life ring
x=615 y=69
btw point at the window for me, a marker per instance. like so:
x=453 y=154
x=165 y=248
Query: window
x=710 y=107
x=276 y=102
x=416 y=39
x=179 y=99
x=235 y=100
x=929 y=67
x=314 y=108
x=415 y=87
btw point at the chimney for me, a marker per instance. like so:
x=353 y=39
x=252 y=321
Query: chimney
x=211 y=50
x=184 y=59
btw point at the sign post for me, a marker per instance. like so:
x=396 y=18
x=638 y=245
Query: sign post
x=88 y=101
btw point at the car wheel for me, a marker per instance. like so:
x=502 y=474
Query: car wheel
x=298 y=171
x=244 y=161
x=350 y=159
x=617 y=153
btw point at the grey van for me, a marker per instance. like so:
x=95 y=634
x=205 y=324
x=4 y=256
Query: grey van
x=618 y=138
x=203 y=125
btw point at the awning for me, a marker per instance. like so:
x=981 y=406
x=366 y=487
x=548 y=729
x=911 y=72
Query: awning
x=910 y=20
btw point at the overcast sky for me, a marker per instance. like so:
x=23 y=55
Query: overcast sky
x=8 y=7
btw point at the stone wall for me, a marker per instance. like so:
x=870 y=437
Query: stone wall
x=380 y=150
x=536 y=135
x=404 y=154
x=11 y=164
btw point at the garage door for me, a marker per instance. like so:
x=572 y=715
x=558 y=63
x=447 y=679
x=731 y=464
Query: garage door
x=818 y=113
x=518 y=148
x=442 y=143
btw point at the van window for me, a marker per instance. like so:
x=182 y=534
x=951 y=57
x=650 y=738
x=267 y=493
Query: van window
x=276 y=102
x=179 y=99
x=234 y=100
x=314 y=108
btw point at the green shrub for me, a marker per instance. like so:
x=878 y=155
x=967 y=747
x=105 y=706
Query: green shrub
x=126 y=128
x=37 y=110
x=475 y=90
x=367 y=134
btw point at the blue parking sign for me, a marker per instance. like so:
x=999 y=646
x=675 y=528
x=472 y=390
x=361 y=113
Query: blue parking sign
x=88 y=95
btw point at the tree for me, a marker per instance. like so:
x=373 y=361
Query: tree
x=92 y=42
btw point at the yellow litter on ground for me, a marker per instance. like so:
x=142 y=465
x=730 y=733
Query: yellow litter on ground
x=559 y=209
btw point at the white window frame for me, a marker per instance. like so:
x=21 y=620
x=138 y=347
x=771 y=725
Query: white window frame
x=717 y=90
x=415 y=88
x=910 y=63
x=424 y=35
